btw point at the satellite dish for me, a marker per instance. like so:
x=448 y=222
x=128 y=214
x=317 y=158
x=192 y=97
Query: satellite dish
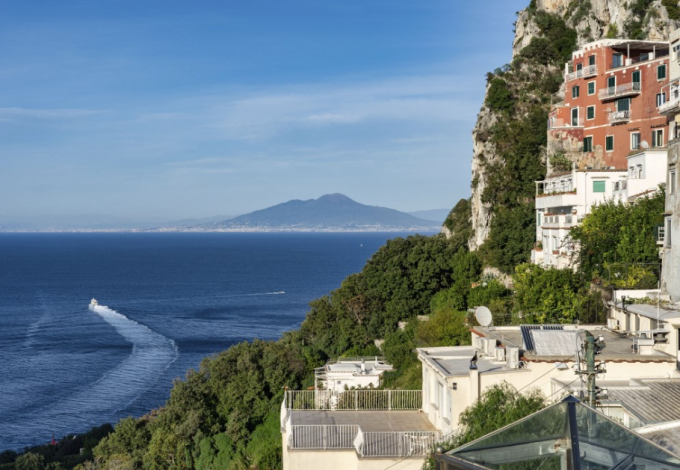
x=483 y=316
x=644 y=144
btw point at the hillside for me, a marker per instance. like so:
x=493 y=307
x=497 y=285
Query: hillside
x=509 y=139
x=327 y=213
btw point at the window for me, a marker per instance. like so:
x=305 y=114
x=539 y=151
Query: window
x=574 y=116
x=579 y=66
x=661 y=72
x=611 y=83
x=590 y=112
x=609 y=143
x=635 y=141
x=657 y=138
x=671 y=181
x=538 y=219
x=636 y=79
x=591 y=60
x=575 y=91
x=588 y=144
x=617 y=60
x=631 y=171
x=660 y=99
x=598 y=186
x=638 y=171
x=667 y=233
x=623 y=104
x=591 y=88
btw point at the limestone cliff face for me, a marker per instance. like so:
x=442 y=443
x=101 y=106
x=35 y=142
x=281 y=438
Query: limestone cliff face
x=592 y=20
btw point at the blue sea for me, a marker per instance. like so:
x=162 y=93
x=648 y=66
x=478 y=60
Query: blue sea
x=167 y=301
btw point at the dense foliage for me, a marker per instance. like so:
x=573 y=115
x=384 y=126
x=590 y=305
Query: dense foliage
x=522 y=93
x=617 y=239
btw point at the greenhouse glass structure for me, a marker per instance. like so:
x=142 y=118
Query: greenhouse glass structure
x=568 y=435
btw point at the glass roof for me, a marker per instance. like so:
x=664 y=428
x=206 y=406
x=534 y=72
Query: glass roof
x=566 y=436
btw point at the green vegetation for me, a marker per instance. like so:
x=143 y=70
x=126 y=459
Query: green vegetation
x=640 y=11
x=499 y=406
x=459 y=223
x=559 y=163
x=618 y=240
x=523 y=94
x=612 y=31
x=499 y=98
x=672 y=9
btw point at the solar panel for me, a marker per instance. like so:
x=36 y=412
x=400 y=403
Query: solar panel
x=529 y=340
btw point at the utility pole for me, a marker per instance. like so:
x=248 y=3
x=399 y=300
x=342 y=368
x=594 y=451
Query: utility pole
x=591 y=347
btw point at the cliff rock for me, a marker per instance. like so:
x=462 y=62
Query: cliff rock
x=592 y=20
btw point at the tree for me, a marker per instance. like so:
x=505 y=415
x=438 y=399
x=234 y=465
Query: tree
x=30 y=461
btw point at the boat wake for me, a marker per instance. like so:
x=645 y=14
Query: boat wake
x=101 y=401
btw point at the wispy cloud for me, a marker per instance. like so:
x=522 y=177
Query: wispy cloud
x=45 y=113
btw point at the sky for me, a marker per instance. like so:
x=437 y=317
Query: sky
x=178 y=109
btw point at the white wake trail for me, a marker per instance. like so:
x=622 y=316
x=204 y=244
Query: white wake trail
x=100 y=401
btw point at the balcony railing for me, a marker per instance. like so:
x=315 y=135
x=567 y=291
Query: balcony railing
x=670 y=107
x=627 y=89
x=354 y=400
x=366 y=444
x=636 y=60
x=554 y=123
x=588 y=71
x=619 y=116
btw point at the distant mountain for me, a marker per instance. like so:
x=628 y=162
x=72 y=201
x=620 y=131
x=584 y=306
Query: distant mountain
x=436 y=215
x=332 y=212
x=94 y=222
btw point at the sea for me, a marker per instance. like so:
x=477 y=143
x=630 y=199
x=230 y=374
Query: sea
x=166 y=301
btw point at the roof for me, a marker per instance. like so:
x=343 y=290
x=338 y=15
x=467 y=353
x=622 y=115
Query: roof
x=650 y=400
x=567 y=435
x=650 y=311
x=618 y=346
x=455 y=361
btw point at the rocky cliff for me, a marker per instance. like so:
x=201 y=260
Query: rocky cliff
x=590 y=20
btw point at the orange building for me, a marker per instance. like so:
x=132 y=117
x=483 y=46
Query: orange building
x=610 y=105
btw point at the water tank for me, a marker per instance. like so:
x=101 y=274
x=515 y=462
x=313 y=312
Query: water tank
x=512 y=357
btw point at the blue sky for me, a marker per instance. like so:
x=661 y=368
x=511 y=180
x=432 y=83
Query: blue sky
x=190 y=109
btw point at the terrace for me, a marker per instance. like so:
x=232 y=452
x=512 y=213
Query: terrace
x=617 y=117
x=374 y=423
x=588 y=71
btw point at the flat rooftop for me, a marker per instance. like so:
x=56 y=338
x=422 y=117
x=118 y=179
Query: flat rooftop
x=369 y=421
x=455 y=361
x=619 y=347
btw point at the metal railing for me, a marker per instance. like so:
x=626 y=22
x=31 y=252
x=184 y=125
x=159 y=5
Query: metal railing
x=313 y=436
x=554 y=123
x=621 y=90
x=584 y=72
x=396 y=444
x=619 y=116
x=354 y=400
x=671 y=105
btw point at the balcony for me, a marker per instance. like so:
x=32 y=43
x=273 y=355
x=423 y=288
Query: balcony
x=614 y=92
x=670 y=107
x=554 y=123
x=642 y=57
x=373 y=423
x=618 y=117
x=588 y=71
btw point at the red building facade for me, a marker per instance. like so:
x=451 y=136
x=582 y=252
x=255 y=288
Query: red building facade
x=610 y=107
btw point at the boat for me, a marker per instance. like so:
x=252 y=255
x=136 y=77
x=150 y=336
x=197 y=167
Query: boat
x=93 y=303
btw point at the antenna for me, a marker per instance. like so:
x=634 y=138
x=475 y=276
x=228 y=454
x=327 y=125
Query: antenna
x=483 y=316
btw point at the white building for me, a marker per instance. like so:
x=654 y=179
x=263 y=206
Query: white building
x=545 y=357
x=646 y=171
x=670 y=233
x=562 y=201
x=351 y=373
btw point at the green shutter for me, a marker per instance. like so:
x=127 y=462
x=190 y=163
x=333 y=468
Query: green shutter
x=609 y=143
x=591 y=88
x=598 y=186
x=590 y=111
x=661 y=72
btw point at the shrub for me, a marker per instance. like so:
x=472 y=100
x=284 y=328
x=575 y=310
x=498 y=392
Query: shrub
x=499 y=98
